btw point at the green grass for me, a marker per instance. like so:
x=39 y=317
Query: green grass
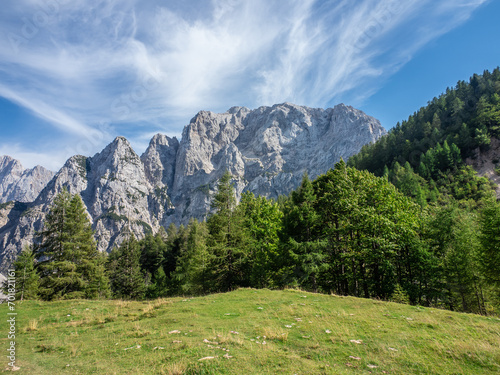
x=304 y=333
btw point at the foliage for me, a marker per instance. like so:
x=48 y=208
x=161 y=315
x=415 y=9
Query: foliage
x=436 y=140
x=262 y=223
x=68 y=262
x=127 y=281
x=194 y=267
x=490 y=241
x=452 y=234
x=25 y=275
x=227 y=239
x=426 y=232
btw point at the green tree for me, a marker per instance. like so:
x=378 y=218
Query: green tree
x=300 y=239
x=228 y=238
x=263 y=221
x=453 y=235
x=26 y=276
x=153 y=249
x=194 y=266
x=124 y=268
x=175 y=247
x=370 y=231
x=490 y=241
x=68 y=261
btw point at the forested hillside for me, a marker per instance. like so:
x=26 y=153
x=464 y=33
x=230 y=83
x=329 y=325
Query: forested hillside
x=424 y=155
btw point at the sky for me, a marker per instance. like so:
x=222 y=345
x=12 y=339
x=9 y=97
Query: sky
x=74 y=74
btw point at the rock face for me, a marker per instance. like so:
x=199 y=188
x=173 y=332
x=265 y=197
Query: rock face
x=19 y=184
x=267 y=151
x=485 y=163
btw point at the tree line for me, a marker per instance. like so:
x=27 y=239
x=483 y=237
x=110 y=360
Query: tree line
x=347 y=232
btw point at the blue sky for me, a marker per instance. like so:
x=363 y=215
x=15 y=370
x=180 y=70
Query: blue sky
x=74 y=74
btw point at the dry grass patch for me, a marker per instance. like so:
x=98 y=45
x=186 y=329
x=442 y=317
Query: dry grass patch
x=32 y=326
x=122 y=304
x=276 y=333
x=178 y=368
x=229 y=338
x=161 y=302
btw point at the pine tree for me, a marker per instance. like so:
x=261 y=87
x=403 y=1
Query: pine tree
x=58 y=275
x=228 y=238
x=152 y=250
x=68 y=261
x=90 y=264
x=98 y=286
x=194 y=266
x=26 y=276
x=300 y=236
x=263 y=221
x=490 y=241
x=124 y=267
x=175 y=246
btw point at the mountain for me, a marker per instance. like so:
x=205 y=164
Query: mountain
x=19 y=184
x=267 y=150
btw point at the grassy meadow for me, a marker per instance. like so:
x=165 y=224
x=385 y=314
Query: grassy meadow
x=249 y=331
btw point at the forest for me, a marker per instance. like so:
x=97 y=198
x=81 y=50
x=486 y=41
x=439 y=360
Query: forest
x=405 y=220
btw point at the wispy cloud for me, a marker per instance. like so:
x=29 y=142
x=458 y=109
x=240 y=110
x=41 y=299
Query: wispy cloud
x=125 y=63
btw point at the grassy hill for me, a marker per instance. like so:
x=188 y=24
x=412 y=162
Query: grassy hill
x=250 y=332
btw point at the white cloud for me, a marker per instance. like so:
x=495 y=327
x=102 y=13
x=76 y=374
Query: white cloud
x=45 y=111
x=80 y=63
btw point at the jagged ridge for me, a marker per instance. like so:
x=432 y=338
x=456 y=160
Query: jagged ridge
x=267 y=150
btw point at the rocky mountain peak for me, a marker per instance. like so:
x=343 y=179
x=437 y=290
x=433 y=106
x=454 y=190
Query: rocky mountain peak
x=159 y=160
x=19 y=184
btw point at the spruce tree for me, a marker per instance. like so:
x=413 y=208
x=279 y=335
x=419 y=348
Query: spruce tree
x=54 y=265
x=194 y=266
x=26 y=277
x=152 y=250
x=124 y=267
x=68 y=262
x=228 y=238
x=300 y=236
x=490 y=241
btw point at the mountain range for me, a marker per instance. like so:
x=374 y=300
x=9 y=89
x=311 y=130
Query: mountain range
x=267 y=151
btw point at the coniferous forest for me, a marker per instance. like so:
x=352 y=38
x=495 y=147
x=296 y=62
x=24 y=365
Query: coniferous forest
x=404 y=220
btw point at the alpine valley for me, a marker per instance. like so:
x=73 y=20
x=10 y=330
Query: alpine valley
x=266 y=150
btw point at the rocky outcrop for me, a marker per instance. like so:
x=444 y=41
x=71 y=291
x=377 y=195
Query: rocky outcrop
x=19 y=184
x=267 y=151
x=487 y=163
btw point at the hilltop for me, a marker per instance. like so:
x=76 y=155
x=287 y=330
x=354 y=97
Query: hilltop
x=252 y=331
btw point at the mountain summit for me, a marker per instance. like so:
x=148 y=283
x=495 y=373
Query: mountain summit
x=19 y=184
x=267 y=150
